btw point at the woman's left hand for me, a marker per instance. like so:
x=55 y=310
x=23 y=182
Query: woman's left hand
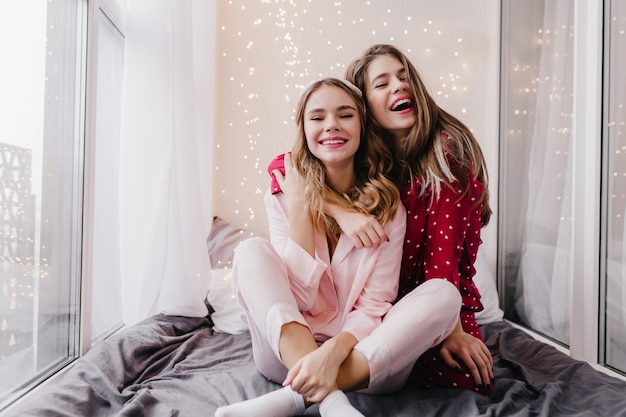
x=474 y=354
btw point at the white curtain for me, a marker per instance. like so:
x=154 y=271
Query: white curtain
x=544 y=277
x=163 y=198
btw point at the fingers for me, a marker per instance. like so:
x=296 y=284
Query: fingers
x=477 y=360
x=449 y=359
x=370 y=235
x=377 y=234
x=288 y=163
x=480 y=367
x=280 y=178
x=311 y=389
x=291 y=374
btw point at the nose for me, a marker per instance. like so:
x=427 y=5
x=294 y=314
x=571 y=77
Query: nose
x=331 y=124
x=398 y=85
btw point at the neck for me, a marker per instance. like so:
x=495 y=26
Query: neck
x=341 y=178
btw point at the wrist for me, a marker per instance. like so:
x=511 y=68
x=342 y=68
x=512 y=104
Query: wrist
x=297 y=202
x=342 y=344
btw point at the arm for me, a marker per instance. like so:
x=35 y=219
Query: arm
x=291 y=233
x=300 y=227
x=300 y=222
x=451 y=227
x=315 y=375
x=363 y=229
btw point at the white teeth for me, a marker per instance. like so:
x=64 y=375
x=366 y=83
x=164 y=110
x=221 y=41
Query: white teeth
x=400 y=102
x=333 y=142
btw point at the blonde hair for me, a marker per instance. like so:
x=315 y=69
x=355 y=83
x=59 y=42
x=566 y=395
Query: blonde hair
x=439 y=147
x=373 y=192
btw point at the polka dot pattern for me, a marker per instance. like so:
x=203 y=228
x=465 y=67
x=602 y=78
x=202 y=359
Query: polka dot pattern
x=442 y=239
x=431 y=371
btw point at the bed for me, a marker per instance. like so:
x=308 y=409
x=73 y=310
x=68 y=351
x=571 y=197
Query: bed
x=184 y=366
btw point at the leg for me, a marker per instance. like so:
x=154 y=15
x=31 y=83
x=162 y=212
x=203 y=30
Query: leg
x=278 y=330
x=419 y=321
x=295 y=342
x=262 y=287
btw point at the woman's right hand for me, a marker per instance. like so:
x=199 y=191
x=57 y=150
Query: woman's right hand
x=314 y=376
x=292 y=181
x=363 y=229
x=300 y=223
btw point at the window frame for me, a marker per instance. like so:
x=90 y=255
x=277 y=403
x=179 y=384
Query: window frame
x=112 y=10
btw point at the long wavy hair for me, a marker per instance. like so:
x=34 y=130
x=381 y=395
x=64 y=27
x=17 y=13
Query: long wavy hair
x=439 y=147
x=374 y=190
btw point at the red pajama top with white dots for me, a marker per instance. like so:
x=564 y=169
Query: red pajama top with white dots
x=442 y=239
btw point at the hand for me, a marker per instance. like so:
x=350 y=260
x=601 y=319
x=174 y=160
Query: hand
x=474 y=354
x=292 y=181
x=315 y=375
x=363 y=229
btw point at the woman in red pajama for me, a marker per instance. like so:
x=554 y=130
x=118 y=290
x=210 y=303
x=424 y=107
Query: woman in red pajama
x=444 y=182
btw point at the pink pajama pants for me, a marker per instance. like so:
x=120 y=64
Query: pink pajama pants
x=418 y=322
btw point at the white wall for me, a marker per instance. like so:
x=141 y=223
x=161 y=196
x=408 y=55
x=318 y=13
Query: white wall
x=265 y=52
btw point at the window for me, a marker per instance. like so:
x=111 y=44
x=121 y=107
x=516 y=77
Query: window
x=563 y=175
x=615 y=133
x=41 y=183
x=60 y=122
x=536 y=186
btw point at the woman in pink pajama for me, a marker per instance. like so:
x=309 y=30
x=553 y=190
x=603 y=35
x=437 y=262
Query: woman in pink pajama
x=315 y=302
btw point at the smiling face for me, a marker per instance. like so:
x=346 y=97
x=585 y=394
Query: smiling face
x=332 y=127
x=389 y=95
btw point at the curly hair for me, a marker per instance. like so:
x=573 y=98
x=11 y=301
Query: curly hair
x=374 y=190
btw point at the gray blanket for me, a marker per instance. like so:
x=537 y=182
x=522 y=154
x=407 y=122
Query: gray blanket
x=177 y=366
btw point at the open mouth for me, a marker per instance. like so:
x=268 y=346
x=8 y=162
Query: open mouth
x=333 y=141
x=402 y=104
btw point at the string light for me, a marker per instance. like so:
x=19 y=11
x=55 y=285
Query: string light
x=270 y=49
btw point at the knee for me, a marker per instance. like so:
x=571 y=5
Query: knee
x=257 y=265
x=447 y=293
x=251 y=248
x=249 y=256
x=252 y=252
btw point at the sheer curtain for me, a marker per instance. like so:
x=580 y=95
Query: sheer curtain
x=163 y=155
x=538 y=125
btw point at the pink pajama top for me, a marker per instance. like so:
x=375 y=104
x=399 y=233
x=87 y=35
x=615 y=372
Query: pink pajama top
x=350 y=292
